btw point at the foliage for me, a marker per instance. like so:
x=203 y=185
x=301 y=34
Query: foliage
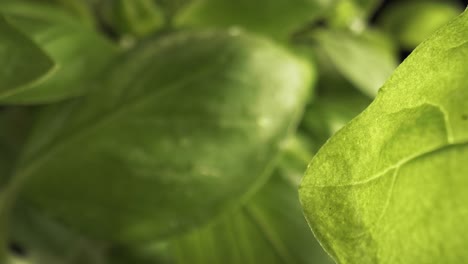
x=178 y=131
x=397 y=171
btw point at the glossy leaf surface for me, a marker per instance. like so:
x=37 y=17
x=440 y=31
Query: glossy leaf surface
x=127 y=163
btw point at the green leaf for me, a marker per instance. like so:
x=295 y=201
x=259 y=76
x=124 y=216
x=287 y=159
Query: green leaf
x=390 y=186
x=352 y=14
x=410 y=23
x=81 y=10
x=138 y=17
x=368 y=5
x=366 y=59
x=79 y=53
x=15 y=124
x=151 y=253
x=181 y=129
x=330 y=112
x=17 y=260
x=336 y=103
x=270 y=228
x=277 y=18
x=26 y=61
x=47 y=241
x=173 y=7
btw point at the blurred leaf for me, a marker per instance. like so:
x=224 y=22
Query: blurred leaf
x=80 y=9
x=277 y=18
x=26 y=61
x=48 y=242
x=17 y=260
x=36 y=9
x=330 y=112
x=366 y=60
x=79 y=53
x=270 y=228
x=14 y=129
x=138 y=17
x=173 y=7
x=352 y=14
x=390 y=187
x=149 y=253
x=180 y=124
x=298 y=151
x=336 y=103
x=15 y=124
x=410 y=23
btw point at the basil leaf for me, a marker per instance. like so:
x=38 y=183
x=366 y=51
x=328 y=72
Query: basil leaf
x=366 y=60
x=44 y=10
x=277 y=18
x=149 y=254
x=352 y=14
x=26 y=61
x=173 y=7
x=390 y=186
x=329 y=113
x=336 y=103
x=411 y=23
x=138 y=17
x=81 y=10
x=15 y=124
x=16 y=260
x=79 y=52
x=47 y=241
x=127 y=163
x=270 y=228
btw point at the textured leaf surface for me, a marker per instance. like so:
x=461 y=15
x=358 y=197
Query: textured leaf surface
x=128 y=163
x=26 y=61
x=278 y=18
x=78 y=52
x=390 y=186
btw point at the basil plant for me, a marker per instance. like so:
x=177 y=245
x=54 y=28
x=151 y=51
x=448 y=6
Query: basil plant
x=233 y=132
